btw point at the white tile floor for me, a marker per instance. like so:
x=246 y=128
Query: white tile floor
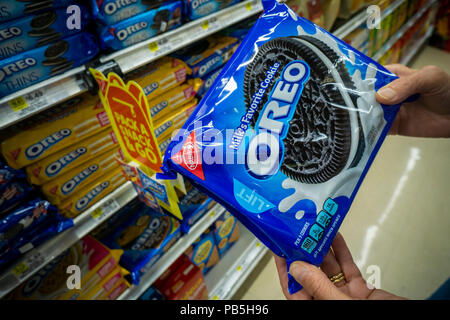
x=400 y=219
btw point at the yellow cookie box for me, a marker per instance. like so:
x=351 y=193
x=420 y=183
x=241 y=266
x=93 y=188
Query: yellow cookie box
x=162 y=106
x=165 y=127
x=161 y=76
x=117 y=290
x=106 y=286
x=71 y=157
x=58 y=132
x=91 y=194
x=67 y=184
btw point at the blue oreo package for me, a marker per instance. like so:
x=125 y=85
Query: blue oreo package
x=113 y=11
x=37 y=30
x=144 y=237
x=196 y=9
x=12 y=9
x=13 y=194
x=8 y=175
x=45 y=227
x=208 y=54
x=208 y=81
x=286 y=134
x=33 y=66
x=141 y=27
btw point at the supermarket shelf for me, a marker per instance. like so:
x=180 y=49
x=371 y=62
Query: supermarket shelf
x=43 y=95
x=402 y=30
x=228 y=275
x=172 y=254
x=147 y=51
x=413 y=51
x=37 y=258
x=361 y=17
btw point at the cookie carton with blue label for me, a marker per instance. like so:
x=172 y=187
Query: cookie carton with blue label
x=141 y=27
x=12 y=9
x=286 y=134
x=38 y=30
x=145 y=237
x=196 y=9
x=203 y=252
x=208 y=54
x=112 y=11
x=226 y=232
x=30 y=67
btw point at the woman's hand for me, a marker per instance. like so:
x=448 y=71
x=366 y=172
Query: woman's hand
x=429 y=116
x=316 y=283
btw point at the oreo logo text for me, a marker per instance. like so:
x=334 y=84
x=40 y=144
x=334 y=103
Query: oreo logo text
x=10 y=32
x=83 y=202
x=55 y=167
x=197 y=3
x=265 y=152
x=112 y=7
x=70 y=185
x=205 y=68
x=124 y=33
x=35 y=150
x=16 y=66
x=158 y=107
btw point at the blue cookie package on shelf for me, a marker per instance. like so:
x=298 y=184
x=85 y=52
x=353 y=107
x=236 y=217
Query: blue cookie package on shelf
x=286 y=134
x=38 y=30
x=27 y=227
x=12 y=9
x=208 y=54
x=113 y=11
x=141 y=27
x=208 y=81
x=13 y=188
x=144 y=237
x=30 y=67
x=196 y=9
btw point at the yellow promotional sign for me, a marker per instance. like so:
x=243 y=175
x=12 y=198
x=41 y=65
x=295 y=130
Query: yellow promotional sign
x=127 y=109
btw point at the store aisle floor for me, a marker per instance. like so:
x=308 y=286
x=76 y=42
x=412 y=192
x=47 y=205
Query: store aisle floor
x=400 y=220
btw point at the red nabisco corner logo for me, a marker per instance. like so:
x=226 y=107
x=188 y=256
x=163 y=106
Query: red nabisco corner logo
x=189 y=157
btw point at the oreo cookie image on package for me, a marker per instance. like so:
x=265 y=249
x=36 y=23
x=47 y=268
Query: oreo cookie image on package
x=37 y=30
x=12 y=9
x=30 y=67
x=140 y=27
x=286 y=133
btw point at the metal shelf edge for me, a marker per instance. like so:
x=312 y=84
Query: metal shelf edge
x=83 y=224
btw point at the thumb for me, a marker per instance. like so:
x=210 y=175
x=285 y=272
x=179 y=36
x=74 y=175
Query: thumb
x=315 y=282
x=425 y=81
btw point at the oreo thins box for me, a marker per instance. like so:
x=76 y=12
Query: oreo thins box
x=144 y=237
x=11 y=9
x=37 y=30
x=113 y=11
x=286 y=134
x=141 y=27
x=30 y=67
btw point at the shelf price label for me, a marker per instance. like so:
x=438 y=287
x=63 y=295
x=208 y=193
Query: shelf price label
x=153 y=46
x=105 y=209
x=18 y=104
x=248 y=6
x=205 y=25
x=33 y=262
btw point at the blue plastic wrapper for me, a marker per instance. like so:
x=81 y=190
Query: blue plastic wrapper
x=37 y=30
x=43 y=228
x=21 y=220
x=286 y=134
x=113 y=11
x=141 y=27
x=11 y=9
x=144 y=237
x=8 y=175
x=208 y=81
x=30 y=67
x=12 y=194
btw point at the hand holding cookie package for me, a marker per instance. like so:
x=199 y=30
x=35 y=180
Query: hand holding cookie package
x=304 y=126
